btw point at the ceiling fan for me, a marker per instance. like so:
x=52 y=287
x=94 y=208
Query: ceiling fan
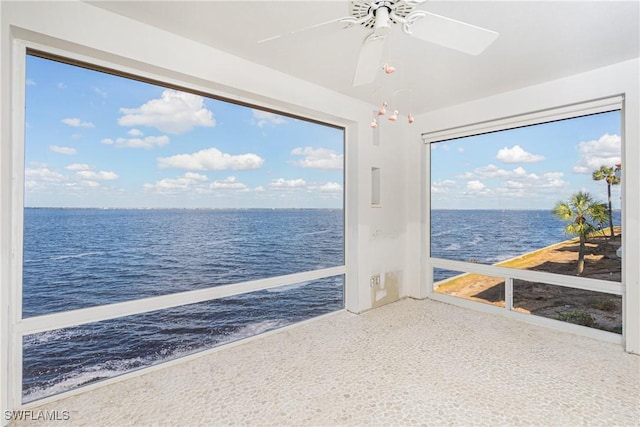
x=380 y=15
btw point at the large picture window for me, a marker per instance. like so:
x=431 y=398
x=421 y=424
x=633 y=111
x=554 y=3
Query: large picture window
x=134 y=190
x=543 y=197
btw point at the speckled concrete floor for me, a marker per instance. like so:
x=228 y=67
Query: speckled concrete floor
x=408 y=363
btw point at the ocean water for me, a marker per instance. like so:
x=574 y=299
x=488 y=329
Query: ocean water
x=491 y=236
x=77 y=258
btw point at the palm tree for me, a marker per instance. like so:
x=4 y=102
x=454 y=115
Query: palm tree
x=583 y=212
x=608 y=174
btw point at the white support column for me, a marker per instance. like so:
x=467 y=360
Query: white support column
x=508 y=293
x=352 y=192
x=5 y=227
x=17 y=120
x=426 y=270
x=631 y=216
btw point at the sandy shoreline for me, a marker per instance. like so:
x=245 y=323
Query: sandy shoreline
x=598 y=310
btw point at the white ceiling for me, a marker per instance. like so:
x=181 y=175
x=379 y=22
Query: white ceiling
x=539 y=41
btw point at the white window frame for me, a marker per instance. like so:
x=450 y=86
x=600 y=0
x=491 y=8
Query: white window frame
x=571 y=111
x=595 y=106
x=18 y=327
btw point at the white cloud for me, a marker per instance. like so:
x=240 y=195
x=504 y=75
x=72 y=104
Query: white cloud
x=553 y=179
x=44 y=178
x=147 y=142
x=43 y=174
x=63 y=150
x=517 y=154
x=514 y=184
x=442 y=186
x=292 y=183
x=61 y=85
x=593 y=154
x=329 y=187
x=185 y=182
x=476 y=186
x=519 y=171
x=211 y=159
x=175 y=112
x=229 y=183
x=93 y=175
x=583 y=169
x=507 y=184
x=77 y=123
x=195 y=176
x=261 y=118
x=78 y=167
x=493 y=171
x=284 y=186
x=135 y=132
x=532 y=184
x=30 y=82
x=195 y=183
x=318 y=158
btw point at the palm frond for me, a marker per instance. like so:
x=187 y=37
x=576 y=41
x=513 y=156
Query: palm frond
x=582 y=212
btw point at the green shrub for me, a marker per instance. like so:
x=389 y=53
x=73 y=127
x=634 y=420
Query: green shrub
x=607 y=305
x=577 y=317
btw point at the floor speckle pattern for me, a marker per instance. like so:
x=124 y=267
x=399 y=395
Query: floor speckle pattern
x=407 y=363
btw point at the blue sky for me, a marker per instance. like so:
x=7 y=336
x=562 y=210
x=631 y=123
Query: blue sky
x=97 y=140
x=526 y=168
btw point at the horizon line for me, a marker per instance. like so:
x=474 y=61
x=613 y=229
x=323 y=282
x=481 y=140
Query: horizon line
x=270 y=208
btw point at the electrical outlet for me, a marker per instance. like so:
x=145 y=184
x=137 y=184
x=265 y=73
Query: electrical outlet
x=375 y=281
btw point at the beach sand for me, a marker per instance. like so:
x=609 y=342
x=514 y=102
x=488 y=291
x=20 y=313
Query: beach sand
x=594 y=309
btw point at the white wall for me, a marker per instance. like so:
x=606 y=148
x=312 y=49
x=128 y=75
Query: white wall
x=100 y=37
x=622 y=78
x=5 y=245
x=384 y=226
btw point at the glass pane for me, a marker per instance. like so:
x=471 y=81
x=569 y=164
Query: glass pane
x=75 y=258
x=494 y=197
x=442 y=273
x=474 y=287
x=68 y=358
x=135 y=190
x=587 y=308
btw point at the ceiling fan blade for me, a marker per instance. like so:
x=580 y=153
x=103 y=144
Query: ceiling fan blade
x=368 y=61
x=453 y=34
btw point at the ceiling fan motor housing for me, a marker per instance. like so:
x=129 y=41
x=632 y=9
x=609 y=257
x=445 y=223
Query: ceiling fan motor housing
x=380 y=13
